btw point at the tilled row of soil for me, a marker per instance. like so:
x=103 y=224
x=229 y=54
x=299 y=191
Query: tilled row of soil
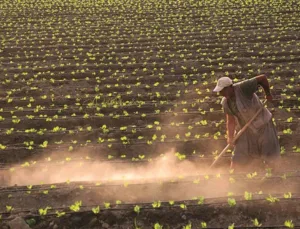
x=216 y=212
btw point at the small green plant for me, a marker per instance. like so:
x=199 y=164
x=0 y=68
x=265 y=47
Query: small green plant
x=158 y=226
x=118 y=202
x=201 y=200
x=269 y=172
x=203 y=225
x=287 y=195
x=183 y=206
x=282 y=150
x=137 y=209
x=44 y=211
x=96 y=210
x=189 y=226
x=289 y=224
x=231 y=202
x=106 y=205
x=156 y=204
x=256 y=223
x=231 y=226
x=296 y=149
x=59 y=214
x=272 y=199
x=251 y=175
x=180 y=156
x=288 y=131
x=76 y=206
x=9 y=208
x=44 y=145
x=248 y=196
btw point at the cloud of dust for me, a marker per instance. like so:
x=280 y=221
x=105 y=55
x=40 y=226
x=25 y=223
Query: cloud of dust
x=164 y=168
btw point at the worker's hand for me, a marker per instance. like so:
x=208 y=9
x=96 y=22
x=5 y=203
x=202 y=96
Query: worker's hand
x=270 y=103
x=269 y=98
x=230 y=141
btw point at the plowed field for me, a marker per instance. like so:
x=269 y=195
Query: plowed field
x=108 y=119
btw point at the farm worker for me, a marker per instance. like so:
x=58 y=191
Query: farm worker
x=240 y=103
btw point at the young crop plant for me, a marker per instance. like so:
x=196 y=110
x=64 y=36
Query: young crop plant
x=29 y=145
x=44 y=211
x=76 y=206
x=296 y=149
x=171 y=202
x=248 y=195
x=137 y=209
x=59 y=214
x=53 y=186
x=203 y=225
x=188 y=226
x=289 y=224
x=231 y=180
x=287 y=195
x=156 y=204
x=272 y=199
x=196 y=181
x=2 y=147
x=44 y=145
x=96 y=210
x=283 y=177
x=287 y=131
x=282 y=150
x=106 y=205
x=9 y=208
x=256 y=223
x=118 y=202
x=157 y=226
x=15 y=119
x=231 y=226
x=180 y=156
x=269 y=172
x=183 y=206
x=231 y=202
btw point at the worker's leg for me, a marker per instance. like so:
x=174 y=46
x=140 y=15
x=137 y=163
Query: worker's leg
x=244 y=151
x=269 y=146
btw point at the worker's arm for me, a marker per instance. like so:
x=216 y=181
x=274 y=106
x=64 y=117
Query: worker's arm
x=263 y=81
x=230 y=128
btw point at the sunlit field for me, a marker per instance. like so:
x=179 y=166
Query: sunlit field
x=108 y=119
